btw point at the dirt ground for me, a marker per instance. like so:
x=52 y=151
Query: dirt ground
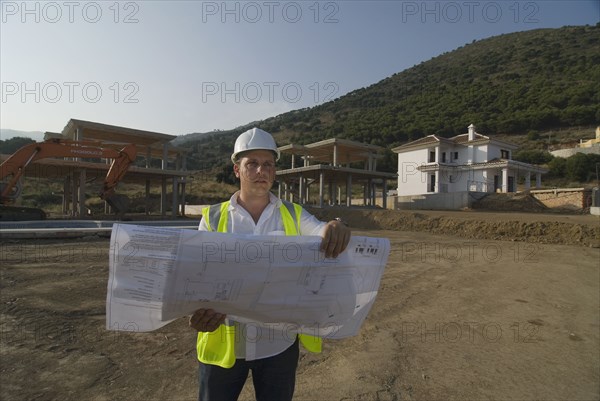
x=471 y=307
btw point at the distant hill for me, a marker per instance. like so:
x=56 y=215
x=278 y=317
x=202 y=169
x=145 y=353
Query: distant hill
x=181 y=139
x=14 y=142
x=509 y=84
x=12 y=133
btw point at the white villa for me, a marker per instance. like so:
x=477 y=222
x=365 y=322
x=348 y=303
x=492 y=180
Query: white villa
x=465 y=163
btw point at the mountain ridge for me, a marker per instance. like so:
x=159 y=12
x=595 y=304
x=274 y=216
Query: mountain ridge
x=7 y=133
x=513 y=83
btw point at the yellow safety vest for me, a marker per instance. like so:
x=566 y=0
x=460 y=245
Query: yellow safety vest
x=217 y=347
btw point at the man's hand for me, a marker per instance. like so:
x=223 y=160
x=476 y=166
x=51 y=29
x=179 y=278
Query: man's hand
x=206 y=320
x=335 y=238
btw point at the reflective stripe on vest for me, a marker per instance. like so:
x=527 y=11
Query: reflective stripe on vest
x=217 y=347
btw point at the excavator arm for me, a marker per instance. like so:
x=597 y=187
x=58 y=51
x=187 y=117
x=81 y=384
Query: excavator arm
x=12 y=169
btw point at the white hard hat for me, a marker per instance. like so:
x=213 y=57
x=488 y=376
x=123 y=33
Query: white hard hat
x=254 y=139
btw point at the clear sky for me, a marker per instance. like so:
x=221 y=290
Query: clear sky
x=189 y=66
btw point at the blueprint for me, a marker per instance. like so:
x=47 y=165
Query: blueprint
x=159 y=274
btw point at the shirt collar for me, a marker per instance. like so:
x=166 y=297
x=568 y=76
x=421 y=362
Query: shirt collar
x=275 y=201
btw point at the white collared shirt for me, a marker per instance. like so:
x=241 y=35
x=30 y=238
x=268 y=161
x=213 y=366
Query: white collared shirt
x=253 y=339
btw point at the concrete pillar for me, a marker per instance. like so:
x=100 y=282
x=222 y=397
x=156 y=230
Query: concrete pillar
x=183 y=183
x=176 y=200
x=321 y=187
x=384 y=193
x=107 y=209
x=505 y=179
x=538 y=180
x=65 y=198
x=335 y=154
x=527 y=181
x=373 y=200
x=82 y=177
x=79 y=137
x=163 y=196
x=165 y=156
x=163 y=191
x=331 y=193
x=182 y=186
x=293 y=160
x=74 y=181
x=300 y=189
x=349 y=190
x=280 y=183
x=175 y=206
x=78 y=195
x=305 y=193
x=147 y=198
x=306 y=190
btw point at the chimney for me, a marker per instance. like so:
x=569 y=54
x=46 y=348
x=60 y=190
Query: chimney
x=471 y=132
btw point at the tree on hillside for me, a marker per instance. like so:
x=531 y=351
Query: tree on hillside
x=11 y=145
x=533 y=156
x=557 y=167
x=581 y=167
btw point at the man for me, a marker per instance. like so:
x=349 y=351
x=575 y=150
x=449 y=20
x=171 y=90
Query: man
x=228 y=350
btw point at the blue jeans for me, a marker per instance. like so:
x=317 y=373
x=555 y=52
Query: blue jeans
x=274 y=378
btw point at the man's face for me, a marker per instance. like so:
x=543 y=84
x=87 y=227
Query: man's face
x=256 y=171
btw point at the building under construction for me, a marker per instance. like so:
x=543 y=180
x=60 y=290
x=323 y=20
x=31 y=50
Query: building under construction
x=331 y=165
x=162 y=163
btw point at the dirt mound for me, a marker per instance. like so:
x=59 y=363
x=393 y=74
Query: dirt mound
x=491 y=226
x=510 y=202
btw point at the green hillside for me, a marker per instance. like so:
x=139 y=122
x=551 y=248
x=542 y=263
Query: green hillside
x=509 y=84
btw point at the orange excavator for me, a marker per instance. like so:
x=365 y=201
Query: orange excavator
x=12 y=169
